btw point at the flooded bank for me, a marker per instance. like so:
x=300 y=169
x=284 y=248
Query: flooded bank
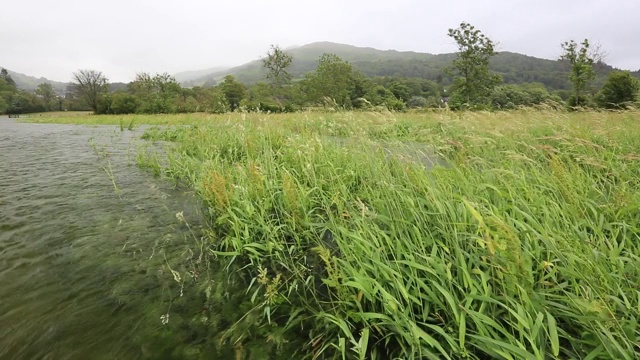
x=84 y=238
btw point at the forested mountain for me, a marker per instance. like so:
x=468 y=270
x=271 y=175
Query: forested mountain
x=30 y=83
x=514 y=68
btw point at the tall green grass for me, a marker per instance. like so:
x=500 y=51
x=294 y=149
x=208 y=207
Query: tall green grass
x=525 y=245
x=332 y=237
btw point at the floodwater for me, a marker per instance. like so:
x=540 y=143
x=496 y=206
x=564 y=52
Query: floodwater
x=84 y=236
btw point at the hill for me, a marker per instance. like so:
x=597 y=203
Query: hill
x=515 y=68
x=30 y=83
x=186 y=76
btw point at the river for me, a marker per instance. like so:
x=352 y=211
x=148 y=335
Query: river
x=84 y=235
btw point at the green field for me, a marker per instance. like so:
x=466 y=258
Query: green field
x=437 y=235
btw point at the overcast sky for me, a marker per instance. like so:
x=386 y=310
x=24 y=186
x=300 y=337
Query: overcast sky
x=53 y=38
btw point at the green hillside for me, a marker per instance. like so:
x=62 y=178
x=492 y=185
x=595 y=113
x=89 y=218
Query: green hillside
x=514 y=68
x=30 y=83
x=186 y=76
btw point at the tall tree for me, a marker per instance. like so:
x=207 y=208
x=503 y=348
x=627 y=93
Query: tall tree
x=47 y=94
x=581 y=73
x=620 y=90
x=335 y=80
x=4 y=74
x=473 y=80
x=276 y=64
x=233 y=91
x=155 y=94
x=90 y=85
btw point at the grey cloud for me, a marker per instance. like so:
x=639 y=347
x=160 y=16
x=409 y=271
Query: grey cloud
x=121 y=38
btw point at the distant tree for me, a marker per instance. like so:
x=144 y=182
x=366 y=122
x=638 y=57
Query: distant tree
x=581 y=74
x=505 y=97
x=90 y=85
x=4 y=74
x=233 y=91
x=6 y=91
x=620 y=90
x=473 y=81
x=211 y=99
x=259 y=96
x=3 y=106
x=155 y=94
x=400 y=91
x=417 y=102
x=22 y=102
x=276 y=64
x=335 y=82
x=379 y=95
x=123 y=103
x=47 y=94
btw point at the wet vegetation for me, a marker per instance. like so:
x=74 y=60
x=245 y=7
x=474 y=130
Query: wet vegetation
x=384 y=233
x=407 y=236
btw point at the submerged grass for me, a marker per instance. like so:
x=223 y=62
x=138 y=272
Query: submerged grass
x=330 y=238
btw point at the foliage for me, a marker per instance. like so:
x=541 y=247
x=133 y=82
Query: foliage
x=417 y=102
x=123 y=103
x=46 y=92
x=233 y=91
x=473 y=80
x=211 y=100
x=508 y=97
x=89 y=85
x=16 y=101
x=276 y=64
x=581 y=74
x=4 y=75
x=334 y=83
x=620 y=91
x=378 y=95
x=400 y=91
x=512 y=67
x=524 y=244
x=155 y=94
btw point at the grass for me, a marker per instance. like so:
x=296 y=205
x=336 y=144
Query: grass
x=324 y=243
x=56 y=114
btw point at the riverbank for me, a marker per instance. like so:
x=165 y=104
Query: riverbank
x=521 y=240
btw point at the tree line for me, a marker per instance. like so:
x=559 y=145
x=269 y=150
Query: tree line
x=336 y=83
x=17 y=101
x=475 y=86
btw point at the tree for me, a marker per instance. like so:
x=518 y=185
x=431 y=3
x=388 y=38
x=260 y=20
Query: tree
x=335 y=80
x=123 y=103
x=47 y=94
x=400 y=91
x=233 y=91
x=473 y=80
x=276 y=64
x=4 y=75
x=7 y=92
x=581 y=74
x=212 y=100
x=155 y=94
x=620 y=89
x=90 y=85
x=4 y=106
x=22 y=102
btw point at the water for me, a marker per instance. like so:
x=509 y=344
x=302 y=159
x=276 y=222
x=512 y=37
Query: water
x=83 y=238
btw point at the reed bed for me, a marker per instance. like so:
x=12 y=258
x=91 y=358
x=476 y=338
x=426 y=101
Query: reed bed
x=332 y=236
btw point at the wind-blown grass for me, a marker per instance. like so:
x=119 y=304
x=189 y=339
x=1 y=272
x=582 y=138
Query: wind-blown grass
x=523 y=245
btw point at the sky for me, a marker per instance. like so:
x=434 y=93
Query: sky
x=52 y=39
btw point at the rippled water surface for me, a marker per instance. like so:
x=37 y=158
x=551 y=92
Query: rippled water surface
x=83 y=233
